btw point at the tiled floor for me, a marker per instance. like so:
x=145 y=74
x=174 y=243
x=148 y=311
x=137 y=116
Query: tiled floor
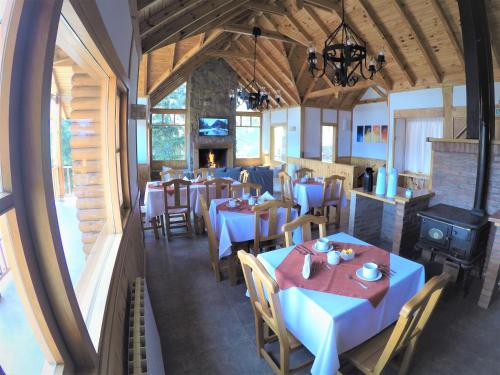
x=208 y=327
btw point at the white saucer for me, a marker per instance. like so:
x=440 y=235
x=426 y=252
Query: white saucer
x=330 y=248
x=359 y=274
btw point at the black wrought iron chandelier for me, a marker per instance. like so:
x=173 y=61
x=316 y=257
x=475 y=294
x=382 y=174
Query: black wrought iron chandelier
x=258 y=99
x=344 y=57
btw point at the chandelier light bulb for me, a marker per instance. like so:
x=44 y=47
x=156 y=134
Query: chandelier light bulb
x=311 y=48
x=231 y=94
x=349 y=41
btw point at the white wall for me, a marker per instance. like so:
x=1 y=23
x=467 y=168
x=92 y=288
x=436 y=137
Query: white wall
x=294 y=130
x=344 y=130
x=369 y=114
x=312 y=132
x=266 y=132
x=116 y=16
x=460 y=95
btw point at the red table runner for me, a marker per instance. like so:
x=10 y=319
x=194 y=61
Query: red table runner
x=335 y=280
x=243 y=208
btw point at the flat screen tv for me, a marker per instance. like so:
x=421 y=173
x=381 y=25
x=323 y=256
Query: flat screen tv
x=217 y=127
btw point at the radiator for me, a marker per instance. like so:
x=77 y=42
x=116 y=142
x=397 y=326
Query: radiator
x=144 y=347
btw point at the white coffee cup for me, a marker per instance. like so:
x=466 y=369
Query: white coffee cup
x=333 y=257
x=370 y=270
x=231 y=203
x=323 y=244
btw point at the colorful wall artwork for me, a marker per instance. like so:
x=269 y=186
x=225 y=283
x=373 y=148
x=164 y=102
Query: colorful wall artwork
x=372 y=134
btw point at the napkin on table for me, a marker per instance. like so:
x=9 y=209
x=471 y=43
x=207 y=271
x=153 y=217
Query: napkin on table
x=306 y=268
x=185 y=178
x=266 y=197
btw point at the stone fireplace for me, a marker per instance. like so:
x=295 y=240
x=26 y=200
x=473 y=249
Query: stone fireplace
x=208 y=89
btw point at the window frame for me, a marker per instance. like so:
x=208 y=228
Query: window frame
x=250 y=115
x=273 y=140
x=334 y=142
x=174 y=112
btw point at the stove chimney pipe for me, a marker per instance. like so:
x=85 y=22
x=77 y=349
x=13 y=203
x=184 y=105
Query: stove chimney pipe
x=480 y=90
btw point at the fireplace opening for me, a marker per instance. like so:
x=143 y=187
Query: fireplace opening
x=212 y=157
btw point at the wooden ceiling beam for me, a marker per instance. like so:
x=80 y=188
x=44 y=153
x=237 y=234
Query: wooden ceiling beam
x=449 y=31
x=187 y=58
x=229 y=54
x=195 y=20
x=309 y=89
x=267 y=34
x=376 y=24
x=264 y=7
x=419 y=39
x=166 y=15
x=378 y=91
x=302 y=70
x=308 y=37
x=334 y=90
x=141 y=4
x=315 y=17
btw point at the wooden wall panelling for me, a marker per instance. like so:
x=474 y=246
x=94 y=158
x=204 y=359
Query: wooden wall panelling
x=448 y=111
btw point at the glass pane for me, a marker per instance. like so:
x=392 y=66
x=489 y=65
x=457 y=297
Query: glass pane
x=279 y=140
x=175 y=100
x=20 y=351
x=247 y=142
x=180 y=119
x=245 y=121
x=157 y=119
x=167 y=142
x=142 y=137
x=238 y=120
x=169 y=119
x=4 y=13
x=255 y=121
x=327 y=143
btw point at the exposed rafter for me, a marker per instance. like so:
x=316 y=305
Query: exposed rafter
x=419 y=39
x=265 y=33
x=261 y=6
x=229 y=54
x=334 y=90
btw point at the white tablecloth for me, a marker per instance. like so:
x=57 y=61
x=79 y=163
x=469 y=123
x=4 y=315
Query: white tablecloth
x=329 y=324
x=230 y=226
x=311 y=196
x=155 y=202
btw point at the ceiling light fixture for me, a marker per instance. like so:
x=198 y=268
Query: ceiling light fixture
x=344 y=62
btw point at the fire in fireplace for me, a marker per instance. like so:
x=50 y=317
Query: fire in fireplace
x=212 y=157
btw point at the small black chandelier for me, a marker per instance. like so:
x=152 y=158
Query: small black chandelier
x=254 y=99
x=344 y=63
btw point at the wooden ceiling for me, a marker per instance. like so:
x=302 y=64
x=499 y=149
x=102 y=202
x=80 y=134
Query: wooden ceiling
x=421 y=38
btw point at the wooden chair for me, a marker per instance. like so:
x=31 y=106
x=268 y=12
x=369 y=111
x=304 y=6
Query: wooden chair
x=303 y=172
x=305 y=223
x=274 y=236
x=220 y=185
x=372 y=356
x=156 y=223
x=286 y=187
x=263 y=291
x=247 y=187
x=218 y=265
x=177 y=215
x=332 y=197
x=244 y=176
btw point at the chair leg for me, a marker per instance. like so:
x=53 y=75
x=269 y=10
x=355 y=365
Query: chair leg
x=284 y=360
x=337 y=216
x=259 y=334
x=232 y=269
x=216 y=269
x=405 y=364
x=154 y=223
x=163 y=221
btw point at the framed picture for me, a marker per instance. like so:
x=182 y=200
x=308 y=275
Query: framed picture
x=384 y=133
x=368 y=134
x=376 y=134
x=359 y=133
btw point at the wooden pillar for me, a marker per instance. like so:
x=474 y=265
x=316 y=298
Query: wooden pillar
x=448 y=112
x=86 y=152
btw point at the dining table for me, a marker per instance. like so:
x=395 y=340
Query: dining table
x=309 y=194
x=237 y=225
x=331 y=313
x=154 y=197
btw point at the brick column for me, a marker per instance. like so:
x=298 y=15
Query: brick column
x=86 y=152
x=407 y=225
x=365 y=218
x=492 y=268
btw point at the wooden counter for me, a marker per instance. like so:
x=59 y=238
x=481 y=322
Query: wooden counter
x=400 y=195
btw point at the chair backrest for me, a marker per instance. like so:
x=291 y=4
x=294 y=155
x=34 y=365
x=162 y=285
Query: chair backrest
x=286 y=186
x=263 y=291
x=244 y=176
x=213 y=243
x=305 y=223
x=303 y=172
x=270 y=210
x=176 y=173
x=413 y=317
x=203 y=172
x=180 y=190
x=220 y=184
x=333 y=187
x=246 y=187
x=165 y=175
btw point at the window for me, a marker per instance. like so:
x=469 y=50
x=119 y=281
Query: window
x=175 y=100
x=247 y=136
x=168 y=127
x=328 y=143
x=279 y=143
x=418 y=151
x=168 y=136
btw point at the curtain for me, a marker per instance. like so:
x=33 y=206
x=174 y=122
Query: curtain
x=418 y=150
